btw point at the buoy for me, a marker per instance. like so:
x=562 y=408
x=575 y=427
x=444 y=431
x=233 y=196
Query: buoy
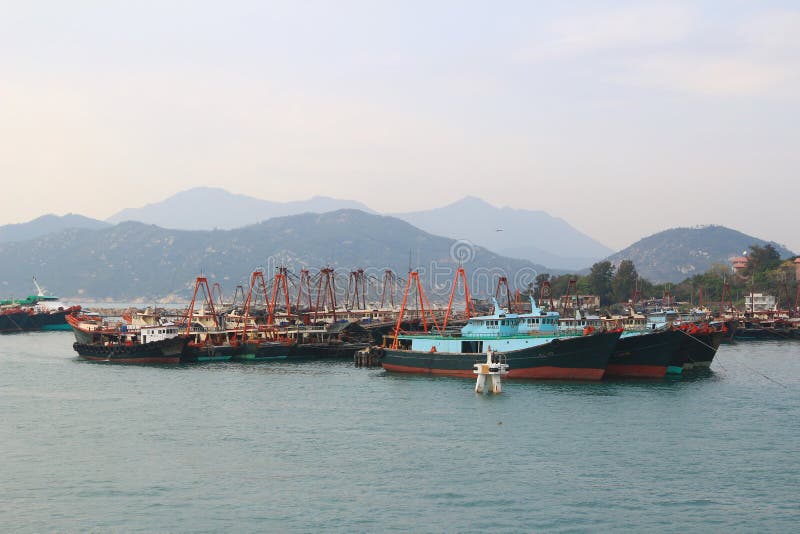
x=490 y=372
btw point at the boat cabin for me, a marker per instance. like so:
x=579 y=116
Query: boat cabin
x=662 y=319
x=150 y=334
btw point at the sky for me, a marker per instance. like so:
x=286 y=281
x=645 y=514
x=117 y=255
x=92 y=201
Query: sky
x=623 y=118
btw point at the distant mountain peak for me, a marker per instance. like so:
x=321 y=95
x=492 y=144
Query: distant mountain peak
x=204 y=208
x=530 y=234
x=47 y=224
x=470 y=201
x=675 y=254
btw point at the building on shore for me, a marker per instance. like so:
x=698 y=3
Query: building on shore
x=758 y=302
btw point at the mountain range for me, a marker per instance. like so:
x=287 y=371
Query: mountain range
x=678 y=253
x=529 y=234
x=47 y=224
x=85 y=256
x=132 y=260
x=206 y=208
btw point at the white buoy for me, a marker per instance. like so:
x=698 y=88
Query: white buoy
x=490 y=371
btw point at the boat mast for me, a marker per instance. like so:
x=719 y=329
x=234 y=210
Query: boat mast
x=389 y=282
x=546 y=292
x=326 y=277
x=216 y=290
x=637 y=295
x=304 y=290
x=460 y=274
x=566 y=299
x=413 y=281
x=279 y=283
x=356 y=290
x=726 y=291
x=201 y=282
x=502 y=287
x=257 y=276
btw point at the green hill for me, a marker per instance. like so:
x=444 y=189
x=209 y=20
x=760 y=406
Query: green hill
x=678 y=253
x=136 y=261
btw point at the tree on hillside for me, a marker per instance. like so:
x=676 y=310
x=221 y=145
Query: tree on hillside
x=761 y=259
x=541 y=278
x=623 y=284
x=599 y=280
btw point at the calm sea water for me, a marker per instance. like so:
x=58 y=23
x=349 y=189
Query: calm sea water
x=325 y=446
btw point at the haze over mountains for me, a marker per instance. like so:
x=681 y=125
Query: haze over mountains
x=133 y=260
x=526 y=234
x=47 y=224
x=72 y=247
x=529 y=234
x=206 y=208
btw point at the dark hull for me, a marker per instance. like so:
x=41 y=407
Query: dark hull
x=574 y=358
x=166 y=352
x=271 y=350
x=697 y=351
x=25 y=320
x=209 y=353
x=643 y=356
x=756 y=333
x=731 y=325
x=301 y=351
x=317 y=351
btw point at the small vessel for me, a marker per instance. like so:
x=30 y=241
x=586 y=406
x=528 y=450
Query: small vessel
x=209 y=339
x=149 y=344
x=35 y=312
x=699 y=343
x=265 y=340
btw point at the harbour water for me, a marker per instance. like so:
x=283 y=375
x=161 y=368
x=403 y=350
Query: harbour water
x=323 y=446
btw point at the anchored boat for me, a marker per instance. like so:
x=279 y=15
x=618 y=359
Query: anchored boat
x=35 y=312
x=532 y=345
x=149 y=344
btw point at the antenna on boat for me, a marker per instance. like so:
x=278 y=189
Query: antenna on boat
x=39 y=289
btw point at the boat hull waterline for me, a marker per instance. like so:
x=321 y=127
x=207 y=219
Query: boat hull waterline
x=573 y=358
x=645 y=355
x=164 y=352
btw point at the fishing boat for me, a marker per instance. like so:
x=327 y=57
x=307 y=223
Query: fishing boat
x=35 y=312
x=210 y=340
x=268 y=334
x=151 y=344
x=643 y=354
x=699 y=342
x=537 y=350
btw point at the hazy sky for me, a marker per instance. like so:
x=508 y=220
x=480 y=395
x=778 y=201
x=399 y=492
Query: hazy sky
x=624 y=118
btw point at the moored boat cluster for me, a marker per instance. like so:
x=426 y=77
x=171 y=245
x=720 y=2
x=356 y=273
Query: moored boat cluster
x=541 y=344
x=537 y=343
